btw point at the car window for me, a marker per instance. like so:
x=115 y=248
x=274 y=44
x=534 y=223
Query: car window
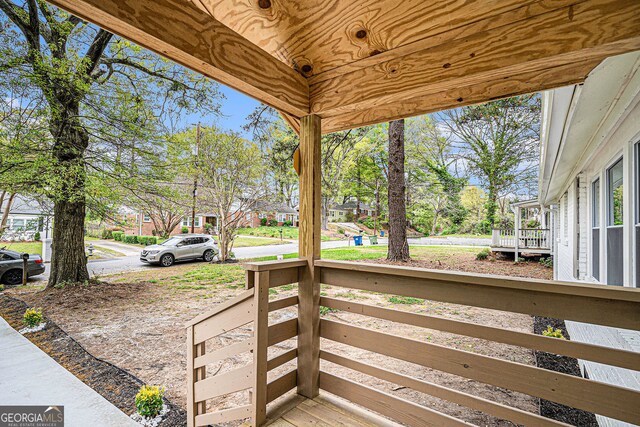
x=198 y=240
x=5 y=257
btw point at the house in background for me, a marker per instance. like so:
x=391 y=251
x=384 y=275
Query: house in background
x=590 y=174
x=141 y=224
x=279 y=212
x=531 y=233
x=26 y=217
x=590 y=170
x=339 y=213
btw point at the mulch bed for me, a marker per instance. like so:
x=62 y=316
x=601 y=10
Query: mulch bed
x=116 y=385
x=565 y=365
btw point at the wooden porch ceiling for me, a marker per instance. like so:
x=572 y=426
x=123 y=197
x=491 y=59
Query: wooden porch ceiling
x=360 y=62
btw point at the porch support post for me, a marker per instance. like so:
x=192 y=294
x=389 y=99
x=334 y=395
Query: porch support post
x=309 y=248
x=517 y=234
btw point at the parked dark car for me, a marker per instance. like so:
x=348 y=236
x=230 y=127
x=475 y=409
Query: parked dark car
x=11 y=267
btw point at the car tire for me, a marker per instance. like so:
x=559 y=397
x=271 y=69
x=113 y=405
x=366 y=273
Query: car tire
x=167 y=260
x=208 y=255
x=12 y=277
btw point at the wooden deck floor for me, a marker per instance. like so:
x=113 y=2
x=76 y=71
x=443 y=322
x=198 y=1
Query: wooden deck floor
x=325 y=410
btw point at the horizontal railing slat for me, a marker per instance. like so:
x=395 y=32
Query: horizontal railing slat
x=281 y=359
x=608 y=400
x=221 y=307
x=498 y=410
x=282 y=331
x=283 y=277
x=590 y=303
x=229 y=382
x=275 y=265
x=596 y=353
x=398 y=409
x=283 y=303
x=233 y=317
x=224 y=353
x=223 y=416
x=281 y=385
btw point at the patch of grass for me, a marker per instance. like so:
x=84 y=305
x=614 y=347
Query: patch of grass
x=326 y=310
x=290 y=233
x=405 y=300
x=469 y=236
x=213 y=274
x=244 y=242
x=349 y=295
x=288 y=287
x=190 y=287
x=273 y=291
x=22 y=247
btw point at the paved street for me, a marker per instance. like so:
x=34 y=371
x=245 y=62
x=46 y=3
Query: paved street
x=131 y=261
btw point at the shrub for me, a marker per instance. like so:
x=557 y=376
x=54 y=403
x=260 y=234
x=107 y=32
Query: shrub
x=32 y=317
x=1 y=288
x=367 y=222
x=147 y=240
x=550 y=332
x=263 y=221
x=287 y=224
x=483 y=254
x=208 y=227
x=340 y=230
x=546 y=262
x=131 y=239
x=149 y=401
x=117 y=235
x=184 y=229
x=36 y=236
x=273 y=223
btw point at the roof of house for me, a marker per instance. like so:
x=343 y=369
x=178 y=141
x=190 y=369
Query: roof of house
x=578 y=120
x=350 y=205
x=23 y=205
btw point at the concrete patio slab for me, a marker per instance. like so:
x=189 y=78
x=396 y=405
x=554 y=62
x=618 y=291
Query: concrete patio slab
x=28 y=376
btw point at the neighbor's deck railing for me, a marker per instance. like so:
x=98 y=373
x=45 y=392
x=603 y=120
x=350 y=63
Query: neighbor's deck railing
x=528 y=238
x=586 y=303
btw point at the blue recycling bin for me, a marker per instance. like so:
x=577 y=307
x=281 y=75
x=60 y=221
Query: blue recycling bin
x=357 y=240
x=381 y=233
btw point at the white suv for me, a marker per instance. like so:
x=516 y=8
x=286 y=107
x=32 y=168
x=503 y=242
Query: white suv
x=179 y=248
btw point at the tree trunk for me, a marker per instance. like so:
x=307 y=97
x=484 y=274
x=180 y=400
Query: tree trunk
x=5 y=214
x=435 y=223
x=68 y=261
x=398 y=245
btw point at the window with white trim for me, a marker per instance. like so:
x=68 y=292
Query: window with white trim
x=146 y=218
x=186 y=222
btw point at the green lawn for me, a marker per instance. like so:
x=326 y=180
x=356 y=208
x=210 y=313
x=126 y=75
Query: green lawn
x=355 y=253
x=28 y=247
x=290 y=233
x=243 y=242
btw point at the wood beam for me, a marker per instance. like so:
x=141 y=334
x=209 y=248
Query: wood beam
x=465 y=95
x=589 y=30
x=309 y=249
x=188 y=35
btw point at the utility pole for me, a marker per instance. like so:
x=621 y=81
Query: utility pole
x=195 y=181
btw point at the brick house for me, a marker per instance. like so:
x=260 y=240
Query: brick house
x=271 y=211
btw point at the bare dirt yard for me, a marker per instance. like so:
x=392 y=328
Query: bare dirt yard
x=136 y=321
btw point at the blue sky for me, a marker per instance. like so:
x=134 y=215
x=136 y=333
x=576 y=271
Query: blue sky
x=235 y=109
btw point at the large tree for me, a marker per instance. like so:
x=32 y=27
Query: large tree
x=103 y=100
x=231 y=172
x=500 y=142
x=398 y=245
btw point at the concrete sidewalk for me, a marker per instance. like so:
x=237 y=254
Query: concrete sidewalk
x=28 y=376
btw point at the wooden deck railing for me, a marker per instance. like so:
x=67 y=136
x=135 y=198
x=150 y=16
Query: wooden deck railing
x=252 y=306
x=528 y=238
x=586 y=303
